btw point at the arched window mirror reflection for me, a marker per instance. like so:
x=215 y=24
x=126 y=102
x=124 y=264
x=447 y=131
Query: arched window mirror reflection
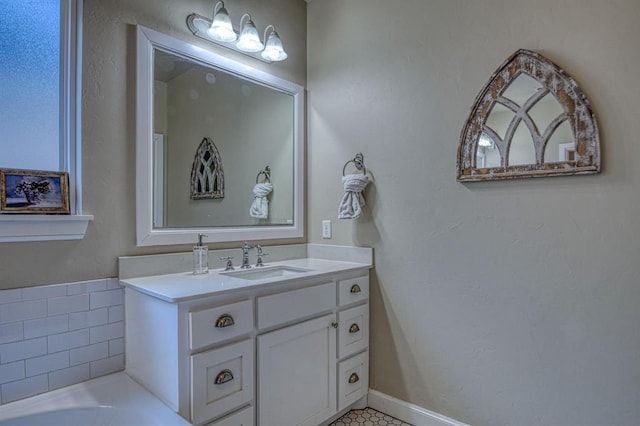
x=207 y=176
x=531 y=119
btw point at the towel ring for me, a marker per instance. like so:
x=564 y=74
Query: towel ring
x=267 y=174
x=358 y=161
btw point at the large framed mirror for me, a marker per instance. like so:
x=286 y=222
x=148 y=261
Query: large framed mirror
x=204 y=121
x=530 y=120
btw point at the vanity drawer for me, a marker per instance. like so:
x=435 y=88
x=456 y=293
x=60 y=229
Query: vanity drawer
x=353 y=290
x=220 y=323
x=291 y=305
x=353 y=380
x=221 y=380
x=244 y=417
x=353 y=330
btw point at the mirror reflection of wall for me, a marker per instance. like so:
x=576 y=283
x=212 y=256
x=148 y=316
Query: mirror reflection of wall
x=252 y=127
x=522 y=148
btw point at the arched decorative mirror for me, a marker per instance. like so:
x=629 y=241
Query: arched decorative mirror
x=530 y=120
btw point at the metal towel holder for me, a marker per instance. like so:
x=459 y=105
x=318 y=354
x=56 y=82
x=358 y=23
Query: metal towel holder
x=358 y=162
x=267 y=174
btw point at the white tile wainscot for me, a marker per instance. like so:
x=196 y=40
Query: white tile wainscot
x=221 y=348
x=57 y=335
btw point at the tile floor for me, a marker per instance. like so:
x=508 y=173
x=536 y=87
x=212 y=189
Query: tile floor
x=367 y=417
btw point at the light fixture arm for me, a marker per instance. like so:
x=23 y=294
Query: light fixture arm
x=273 y=29
x=246 y=15
x=216 y=8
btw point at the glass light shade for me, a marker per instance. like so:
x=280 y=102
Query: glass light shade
x=221 y=28
x=249 y=38
x=273 y=50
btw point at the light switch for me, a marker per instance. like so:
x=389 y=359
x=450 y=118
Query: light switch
x=326 y=229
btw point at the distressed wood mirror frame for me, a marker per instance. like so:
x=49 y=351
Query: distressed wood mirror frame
x=552 y=80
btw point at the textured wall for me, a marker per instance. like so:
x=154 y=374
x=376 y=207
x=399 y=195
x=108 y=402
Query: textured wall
x=108 y=126
x=494 y=303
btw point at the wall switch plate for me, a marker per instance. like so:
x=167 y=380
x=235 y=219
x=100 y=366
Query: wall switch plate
x=326 y=229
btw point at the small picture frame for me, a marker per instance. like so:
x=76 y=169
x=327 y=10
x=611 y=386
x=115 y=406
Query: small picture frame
x=34 y=191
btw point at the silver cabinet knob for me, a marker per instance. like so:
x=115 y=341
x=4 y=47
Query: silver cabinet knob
x=355 y=289
x=354 y=378
x=354 y=328
x=334 y=324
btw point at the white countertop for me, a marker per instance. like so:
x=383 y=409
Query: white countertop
x=184 y=286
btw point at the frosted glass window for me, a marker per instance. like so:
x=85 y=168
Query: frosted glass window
x=30 y=85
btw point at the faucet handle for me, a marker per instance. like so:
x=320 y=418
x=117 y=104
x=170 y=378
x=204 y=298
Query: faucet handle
x=260 y=254
x=229 y=265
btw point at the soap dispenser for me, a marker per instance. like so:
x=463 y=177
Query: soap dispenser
x=200 y=257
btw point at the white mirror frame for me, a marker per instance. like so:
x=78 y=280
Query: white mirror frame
x=147 y=235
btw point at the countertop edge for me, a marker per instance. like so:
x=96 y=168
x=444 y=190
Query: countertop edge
x=146 y=287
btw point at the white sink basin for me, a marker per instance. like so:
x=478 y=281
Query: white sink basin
x=266 y=272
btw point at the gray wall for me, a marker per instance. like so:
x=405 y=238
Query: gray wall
x=494 y=303
x=108 y=126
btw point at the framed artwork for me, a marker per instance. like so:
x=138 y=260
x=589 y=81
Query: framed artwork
x=34 y=191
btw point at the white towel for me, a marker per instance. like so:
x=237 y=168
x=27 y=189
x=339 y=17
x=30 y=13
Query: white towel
x=260 y=206
x=350 y=206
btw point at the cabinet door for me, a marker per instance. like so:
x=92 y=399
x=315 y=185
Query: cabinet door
x=297 y=374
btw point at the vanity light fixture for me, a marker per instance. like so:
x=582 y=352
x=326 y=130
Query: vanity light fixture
x=273 y=50
x=219 y=30
x=249 y=38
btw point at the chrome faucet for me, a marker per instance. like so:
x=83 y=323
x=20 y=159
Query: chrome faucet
x=245 y=255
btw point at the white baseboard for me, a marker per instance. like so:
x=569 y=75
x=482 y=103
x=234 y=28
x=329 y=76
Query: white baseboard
x=407 y=412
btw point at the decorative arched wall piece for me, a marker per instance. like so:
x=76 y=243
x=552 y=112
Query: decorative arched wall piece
x=518 y=108
x=207 y=176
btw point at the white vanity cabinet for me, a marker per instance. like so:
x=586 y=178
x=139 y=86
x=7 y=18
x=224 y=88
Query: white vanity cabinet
x=290 y=352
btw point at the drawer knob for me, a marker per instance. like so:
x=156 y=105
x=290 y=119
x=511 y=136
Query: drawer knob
x=354 y=328
x=225 y=320
x=223 y=377
x=334 y=324
x=354 y=378
x=355 y=288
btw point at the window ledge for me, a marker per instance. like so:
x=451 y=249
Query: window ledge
x=43 y=227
